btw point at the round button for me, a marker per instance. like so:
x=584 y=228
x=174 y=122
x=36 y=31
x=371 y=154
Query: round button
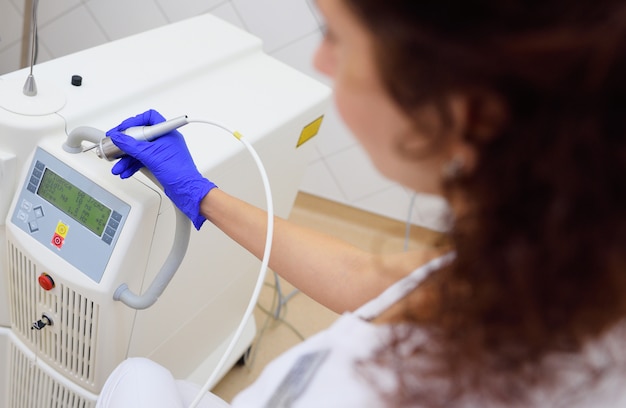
x=46 y=281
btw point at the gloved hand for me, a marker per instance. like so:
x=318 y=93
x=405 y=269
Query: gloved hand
x=168 y=159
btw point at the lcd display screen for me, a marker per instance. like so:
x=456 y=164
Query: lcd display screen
x=74 y=202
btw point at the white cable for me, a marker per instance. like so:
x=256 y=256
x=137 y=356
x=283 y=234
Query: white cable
x=264 y=263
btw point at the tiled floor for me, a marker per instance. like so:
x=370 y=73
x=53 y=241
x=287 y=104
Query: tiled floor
x=302 y=316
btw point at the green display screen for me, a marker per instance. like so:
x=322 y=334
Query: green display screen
x=74 y=202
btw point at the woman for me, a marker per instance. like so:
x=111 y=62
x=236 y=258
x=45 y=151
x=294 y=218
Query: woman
x=515 y=112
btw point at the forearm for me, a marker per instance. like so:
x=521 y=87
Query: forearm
x=331 y=271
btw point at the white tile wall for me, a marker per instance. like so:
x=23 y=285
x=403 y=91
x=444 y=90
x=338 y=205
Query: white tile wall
x=115 y=25
x=290 y=30
x=176 y=10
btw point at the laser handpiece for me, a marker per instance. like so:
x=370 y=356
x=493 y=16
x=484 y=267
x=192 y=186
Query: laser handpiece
x=106 y=149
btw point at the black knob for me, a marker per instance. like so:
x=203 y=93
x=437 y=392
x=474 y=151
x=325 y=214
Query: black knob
x=77 y=80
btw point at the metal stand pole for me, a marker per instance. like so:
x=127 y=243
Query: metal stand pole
x=26 y=34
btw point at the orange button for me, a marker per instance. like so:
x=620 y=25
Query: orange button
x=46 y=281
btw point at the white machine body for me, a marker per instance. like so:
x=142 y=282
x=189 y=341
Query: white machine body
x=64 y=217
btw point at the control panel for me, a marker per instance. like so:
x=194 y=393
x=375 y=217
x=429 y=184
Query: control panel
x=69 y=214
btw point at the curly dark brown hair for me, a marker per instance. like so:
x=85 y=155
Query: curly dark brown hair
x=541 y=254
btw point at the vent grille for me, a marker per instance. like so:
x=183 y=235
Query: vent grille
x=70 y=343
x=31 y=387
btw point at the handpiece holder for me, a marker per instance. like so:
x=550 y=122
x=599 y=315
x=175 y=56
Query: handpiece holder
x=73 y=144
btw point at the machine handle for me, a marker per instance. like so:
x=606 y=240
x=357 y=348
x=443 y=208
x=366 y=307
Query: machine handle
x=165 y=275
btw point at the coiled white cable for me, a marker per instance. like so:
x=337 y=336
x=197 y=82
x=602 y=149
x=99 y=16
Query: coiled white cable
x=264 y=263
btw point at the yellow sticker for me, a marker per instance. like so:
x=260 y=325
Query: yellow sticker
x=62 y=229
x=310 y=130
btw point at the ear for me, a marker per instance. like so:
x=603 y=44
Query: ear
x=475 y=119
x=439 y=124
x=486 y=115
x=460 y=150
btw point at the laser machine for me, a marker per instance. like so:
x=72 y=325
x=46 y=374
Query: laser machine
x=71 y=233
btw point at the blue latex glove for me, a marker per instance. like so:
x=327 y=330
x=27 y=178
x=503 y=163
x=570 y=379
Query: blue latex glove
x=168 y=159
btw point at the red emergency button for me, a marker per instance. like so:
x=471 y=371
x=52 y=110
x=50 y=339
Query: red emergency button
x=46 y=281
